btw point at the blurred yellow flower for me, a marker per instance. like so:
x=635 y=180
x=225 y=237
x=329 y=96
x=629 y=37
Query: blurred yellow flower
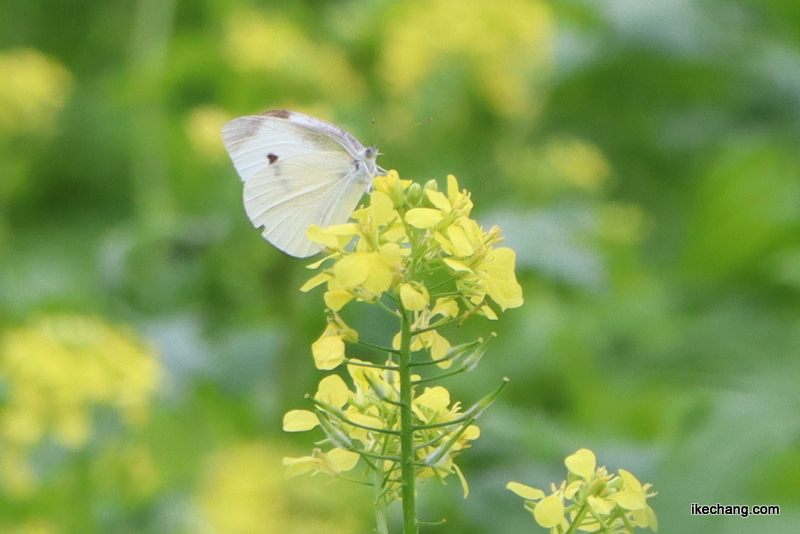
x=57 y=369
x=31 y=526
x=243 y=491
x=582 y=164
x=34 y=88
x=562 y=163
x=202 y=128
x=507 y=47
x=126 y=468
x=623 y=223
x=333 y=462
x=269 y=43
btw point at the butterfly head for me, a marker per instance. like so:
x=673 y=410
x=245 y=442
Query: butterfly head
x=371 y=153
x=368 y=156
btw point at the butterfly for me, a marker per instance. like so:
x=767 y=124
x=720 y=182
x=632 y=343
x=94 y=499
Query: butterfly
x=298 y=171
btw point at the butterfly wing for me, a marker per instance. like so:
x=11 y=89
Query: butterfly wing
x=287 y=197
x=297 y=171
x=251 y=140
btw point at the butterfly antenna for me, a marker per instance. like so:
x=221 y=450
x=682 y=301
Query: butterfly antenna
x=405 y=133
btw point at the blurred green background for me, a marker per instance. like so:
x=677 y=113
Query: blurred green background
x=641 y=157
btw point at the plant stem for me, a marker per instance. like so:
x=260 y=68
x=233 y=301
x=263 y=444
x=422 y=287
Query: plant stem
x=578 y=519
x=381 y=524
x=407 y=453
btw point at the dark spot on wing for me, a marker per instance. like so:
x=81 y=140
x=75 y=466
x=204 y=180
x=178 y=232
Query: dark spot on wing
x=279 y=113
x=272 y=158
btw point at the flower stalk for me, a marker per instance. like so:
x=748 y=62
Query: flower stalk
x=407 y=455
x=408 y=242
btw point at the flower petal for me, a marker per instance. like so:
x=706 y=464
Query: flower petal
x=299 y=421
x=342 y=459
x=333 y=390
x=382 y=208
x=320 y=279
x=336 y=300
x=423 y=217
x=582 y=463
x=549 y=512
x=414 y=298
x=439 y=200
x=328 y=352
x=437 y=398
x=352 y=269
x=526 y=492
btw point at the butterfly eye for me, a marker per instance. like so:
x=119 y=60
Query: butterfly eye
x=370 y=152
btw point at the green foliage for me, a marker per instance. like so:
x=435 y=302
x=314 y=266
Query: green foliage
x=641 y=158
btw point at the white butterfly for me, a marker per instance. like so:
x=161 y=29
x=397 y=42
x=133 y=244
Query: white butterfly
x=297 y=171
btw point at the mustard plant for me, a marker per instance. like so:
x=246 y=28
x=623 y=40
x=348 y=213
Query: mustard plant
x=414 y=253
x=590 y=500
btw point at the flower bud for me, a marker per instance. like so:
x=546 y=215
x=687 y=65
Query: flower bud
x=414 y=194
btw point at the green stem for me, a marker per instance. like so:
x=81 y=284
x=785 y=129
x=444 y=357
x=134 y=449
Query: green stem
x=380 y=348
x=407 y=428
x=381 y=524
x=438 y=325
x=578 y=519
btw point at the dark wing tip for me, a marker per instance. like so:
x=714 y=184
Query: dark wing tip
x=278 y=113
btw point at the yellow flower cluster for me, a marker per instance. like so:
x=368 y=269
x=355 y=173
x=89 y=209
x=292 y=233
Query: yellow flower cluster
x=270 y=44
x=242 y=491
x=506 y=47
x=57 y=370
x=404 y=236
x=365 y=422
x=600 y=501
x=34 y=89
x=414 y=252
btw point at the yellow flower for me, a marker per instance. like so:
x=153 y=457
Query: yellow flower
x=349 y=417
x=497 y=274
x=526 y=492
x=242 y=490
x=406 y=237
x=367 y=269
x=332 y=390
x=202 y=128
x=549 y=512
x=508 y=60
x=299 y=421
x=333 y=237
x=615 y=503
x=431 y=339
x=328 y=350
x=59 y=367
x=447 y=208
x=332 y=463
x=582 y=463
x=492 y=275
x=632 y=495
x=272 y=45
x=392 y=186
x=414 y=296
x=34 y=89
